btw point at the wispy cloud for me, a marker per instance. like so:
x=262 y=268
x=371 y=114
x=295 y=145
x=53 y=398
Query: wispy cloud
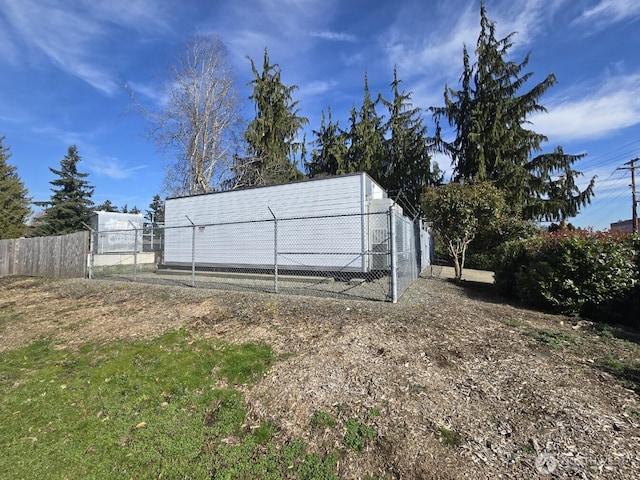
x=608 y=12
x=335 y=36
x=440 y=49
x=92 y=158
x=438 y=52
x=112 y=167
x=282 y=26
x=317 y=87
x=612 y=106
x=74 y=35
x=152 y=92
x=144 y=15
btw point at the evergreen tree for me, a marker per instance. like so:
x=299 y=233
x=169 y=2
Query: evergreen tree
x=155 y=212
x=490 y=117
x=557 y=197
x=14 y=203
x=407 y=163
x=70 y=206
x=330 y=155
x=272 y=136
x=106 y=206
x=366 y=139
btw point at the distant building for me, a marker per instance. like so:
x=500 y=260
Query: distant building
x=117 y=232
x=622 y=226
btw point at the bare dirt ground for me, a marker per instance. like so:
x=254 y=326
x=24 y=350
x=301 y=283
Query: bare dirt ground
x=461 y=383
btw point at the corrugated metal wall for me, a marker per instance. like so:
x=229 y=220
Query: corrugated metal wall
x=235 y=243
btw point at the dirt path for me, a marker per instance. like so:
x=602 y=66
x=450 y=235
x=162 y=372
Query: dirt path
x=456 y=383
x=469 y=275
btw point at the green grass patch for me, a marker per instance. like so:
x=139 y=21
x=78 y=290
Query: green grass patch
x=322 y=420
x=554 y=339
x=145 y=409
x=450 y=437
x=621 y=332
x=357 y=434
x=7 y=315
x=627 y=371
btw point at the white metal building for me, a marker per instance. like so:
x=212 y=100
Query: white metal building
x=117 y=232
x=331 y=223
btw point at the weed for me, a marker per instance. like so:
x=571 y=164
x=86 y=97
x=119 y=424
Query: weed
x=322 y=420
x=372 y=413
x=627 y=371
x=616 y=331
x=264 y=433
x=514 y=323
x=634 y=413
x=450 y=437
x=272 y=308
x=357 y=434
x=553 y=339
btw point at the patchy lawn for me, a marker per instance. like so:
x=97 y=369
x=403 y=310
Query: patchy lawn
x=449 y=383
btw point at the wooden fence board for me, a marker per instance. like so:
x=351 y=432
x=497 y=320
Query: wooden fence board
x=63 y=256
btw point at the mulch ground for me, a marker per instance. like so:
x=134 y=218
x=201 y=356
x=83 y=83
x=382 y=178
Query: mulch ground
x=460 y=382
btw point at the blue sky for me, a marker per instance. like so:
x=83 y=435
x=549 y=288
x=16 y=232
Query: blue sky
x=64 y=64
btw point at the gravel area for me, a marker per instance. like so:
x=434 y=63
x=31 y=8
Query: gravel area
x=456 y=382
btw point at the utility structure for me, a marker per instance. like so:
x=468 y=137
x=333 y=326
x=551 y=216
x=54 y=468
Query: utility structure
x=634 y=199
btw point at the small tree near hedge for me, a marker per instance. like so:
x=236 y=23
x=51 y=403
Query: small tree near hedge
x=459 y=211
x=593 y=274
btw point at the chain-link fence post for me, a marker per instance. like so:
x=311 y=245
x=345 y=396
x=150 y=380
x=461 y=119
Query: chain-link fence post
x=275 y=250
x=393 y=252
x=193 y=252
x=135 y=252
x=92 y=245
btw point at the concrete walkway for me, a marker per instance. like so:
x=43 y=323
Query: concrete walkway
x=468 y=274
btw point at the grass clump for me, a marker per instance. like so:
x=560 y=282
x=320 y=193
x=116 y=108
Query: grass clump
x=144 y=409
x=450 y=437
x=7 y=315
x=322 y=420
x=554 y=339
x=627 y=371
x=357 y=434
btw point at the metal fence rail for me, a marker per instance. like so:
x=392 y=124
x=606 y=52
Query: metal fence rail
x=373 y=256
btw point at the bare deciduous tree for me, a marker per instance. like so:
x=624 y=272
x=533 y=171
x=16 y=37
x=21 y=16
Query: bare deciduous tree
x=200 y=122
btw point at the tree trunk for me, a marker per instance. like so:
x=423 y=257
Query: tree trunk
x=457 y=265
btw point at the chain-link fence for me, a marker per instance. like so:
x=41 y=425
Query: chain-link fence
x=370 y=256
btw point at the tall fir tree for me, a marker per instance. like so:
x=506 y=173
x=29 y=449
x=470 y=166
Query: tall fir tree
x=407 y=164
x=14 y=203
x=155 y=212
x=365 y=138
x=490 y=115
x=106 y=206
x=556 y=195
x=70 y=206
x=272 y=137
x=329 y=155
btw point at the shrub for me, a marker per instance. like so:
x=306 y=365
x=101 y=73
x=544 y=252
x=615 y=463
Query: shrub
x=593 y=274
x=483 y=252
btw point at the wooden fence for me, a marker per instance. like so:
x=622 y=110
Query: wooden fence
x=63 y=256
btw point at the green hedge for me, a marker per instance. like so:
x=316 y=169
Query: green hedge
x=592 y=274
